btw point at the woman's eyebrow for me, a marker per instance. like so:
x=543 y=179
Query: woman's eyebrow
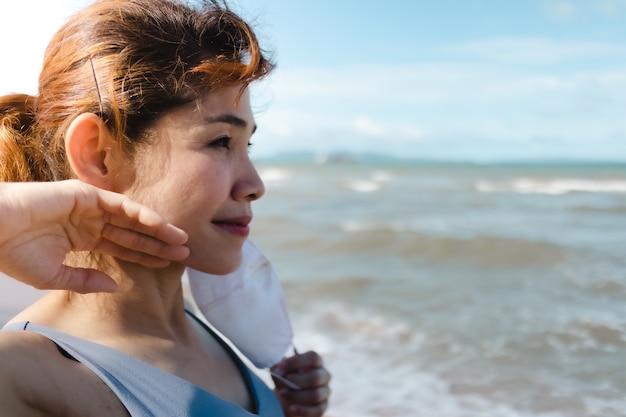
x=230 y=119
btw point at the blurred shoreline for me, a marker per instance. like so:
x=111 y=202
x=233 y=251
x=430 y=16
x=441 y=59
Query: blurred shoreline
x=14 y=297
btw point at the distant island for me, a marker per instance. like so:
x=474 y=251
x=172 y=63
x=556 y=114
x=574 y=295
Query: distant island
x=368 y=158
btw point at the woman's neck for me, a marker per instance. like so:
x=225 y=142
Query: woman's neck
x=148 y=302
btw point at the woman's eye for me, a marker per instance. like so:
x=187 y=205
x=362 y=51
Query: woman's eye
x=223 y=142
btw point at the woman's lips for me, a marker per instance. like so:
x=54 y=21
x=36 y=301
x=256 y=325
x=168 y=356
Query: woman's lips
x=237 y=227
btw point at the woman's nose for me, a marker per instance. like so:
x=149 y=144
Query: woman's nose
x=250 y=187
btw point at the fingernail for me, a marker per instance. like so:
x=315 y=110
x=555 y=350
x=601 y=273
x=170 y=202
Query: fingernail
x=109 y=286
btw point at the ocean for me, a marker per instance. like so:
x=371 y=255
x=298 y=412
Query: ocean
x=451 y=290
x=455 y=290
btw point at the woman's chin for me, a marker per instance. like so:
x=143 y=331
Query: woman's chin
x=223 y=267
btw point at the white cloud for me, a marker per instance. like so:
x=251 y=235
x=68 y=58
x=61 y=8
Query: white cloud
x=536 y=50
x=398 y=131
x=415 y=107
x=610 y=8
x=379 y=88
x=560 y=10
x=458 y=80
x=368 y=127
x=563 y=10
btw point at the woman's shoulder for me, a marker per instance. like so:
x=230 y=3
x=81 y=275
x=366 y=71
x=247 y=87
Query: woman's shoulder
x=25 y=364
x=25 y=353
x=37 y=379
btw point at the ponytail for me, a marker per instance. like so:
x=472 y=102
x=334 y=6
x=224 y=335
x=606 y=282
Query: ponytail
x=21 y=156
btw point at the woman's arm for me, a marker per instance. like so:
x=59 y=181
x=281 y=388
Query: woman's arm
x=41 y=222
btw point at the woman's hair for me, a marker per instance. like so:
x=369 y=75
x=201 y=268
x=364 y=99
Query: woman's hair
x=127 y=61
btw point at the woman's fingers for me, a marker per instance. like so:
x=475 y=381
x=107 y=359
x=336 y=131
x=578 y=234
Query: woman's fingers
x=307 y=397
x=55 y=218
x=81 y=280
x=316 y=378
x=306 y=371
x=300 y=362
x=125 y=244
x=133 y=255
x=127 y=214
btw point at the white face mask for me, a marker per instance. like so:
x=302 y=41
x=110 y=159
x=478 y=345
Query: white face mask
x=247 y=306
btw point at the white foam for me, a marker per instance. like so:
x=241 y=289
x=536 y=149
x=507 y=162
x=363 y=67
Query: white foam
x=273 y=174
x=599 y=407
x=552 y=186
x=382 y=176
x=365 y=226
x=377 y=179
x=376 y=370
x=363 y=186
x=355 y=226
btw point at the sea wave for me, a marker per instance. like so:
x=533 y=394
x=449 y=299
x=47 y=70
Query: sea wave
x=552 y=186
x=274 y=174
x=482 y=249
x=377 y=371
x=427 y=297
x=600 y=210
x=363 y=186
x=375 y=181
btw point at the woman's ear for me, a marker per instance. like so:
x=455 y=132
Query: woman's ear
x=91 y=150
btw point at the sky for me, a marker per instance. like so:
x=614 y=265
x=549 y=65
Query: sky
x=475 y=80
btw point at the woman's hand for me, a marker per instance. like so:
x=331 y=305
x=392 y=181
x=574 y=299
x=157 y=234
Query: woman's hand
x=306 y=371
x=41 y=222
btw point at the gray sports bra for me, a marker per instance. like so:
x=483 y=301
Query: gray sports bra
x=148 y=391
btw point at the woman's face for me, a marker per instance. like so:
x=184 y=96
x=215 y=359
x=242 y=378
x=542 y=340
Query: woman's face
x=198 y=175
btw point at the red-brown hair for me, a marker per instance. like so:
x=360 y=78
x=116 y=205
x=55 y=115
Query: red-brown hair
x=128 y=61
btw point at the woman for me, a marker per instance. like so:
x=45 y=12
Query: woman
x=149 y=99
